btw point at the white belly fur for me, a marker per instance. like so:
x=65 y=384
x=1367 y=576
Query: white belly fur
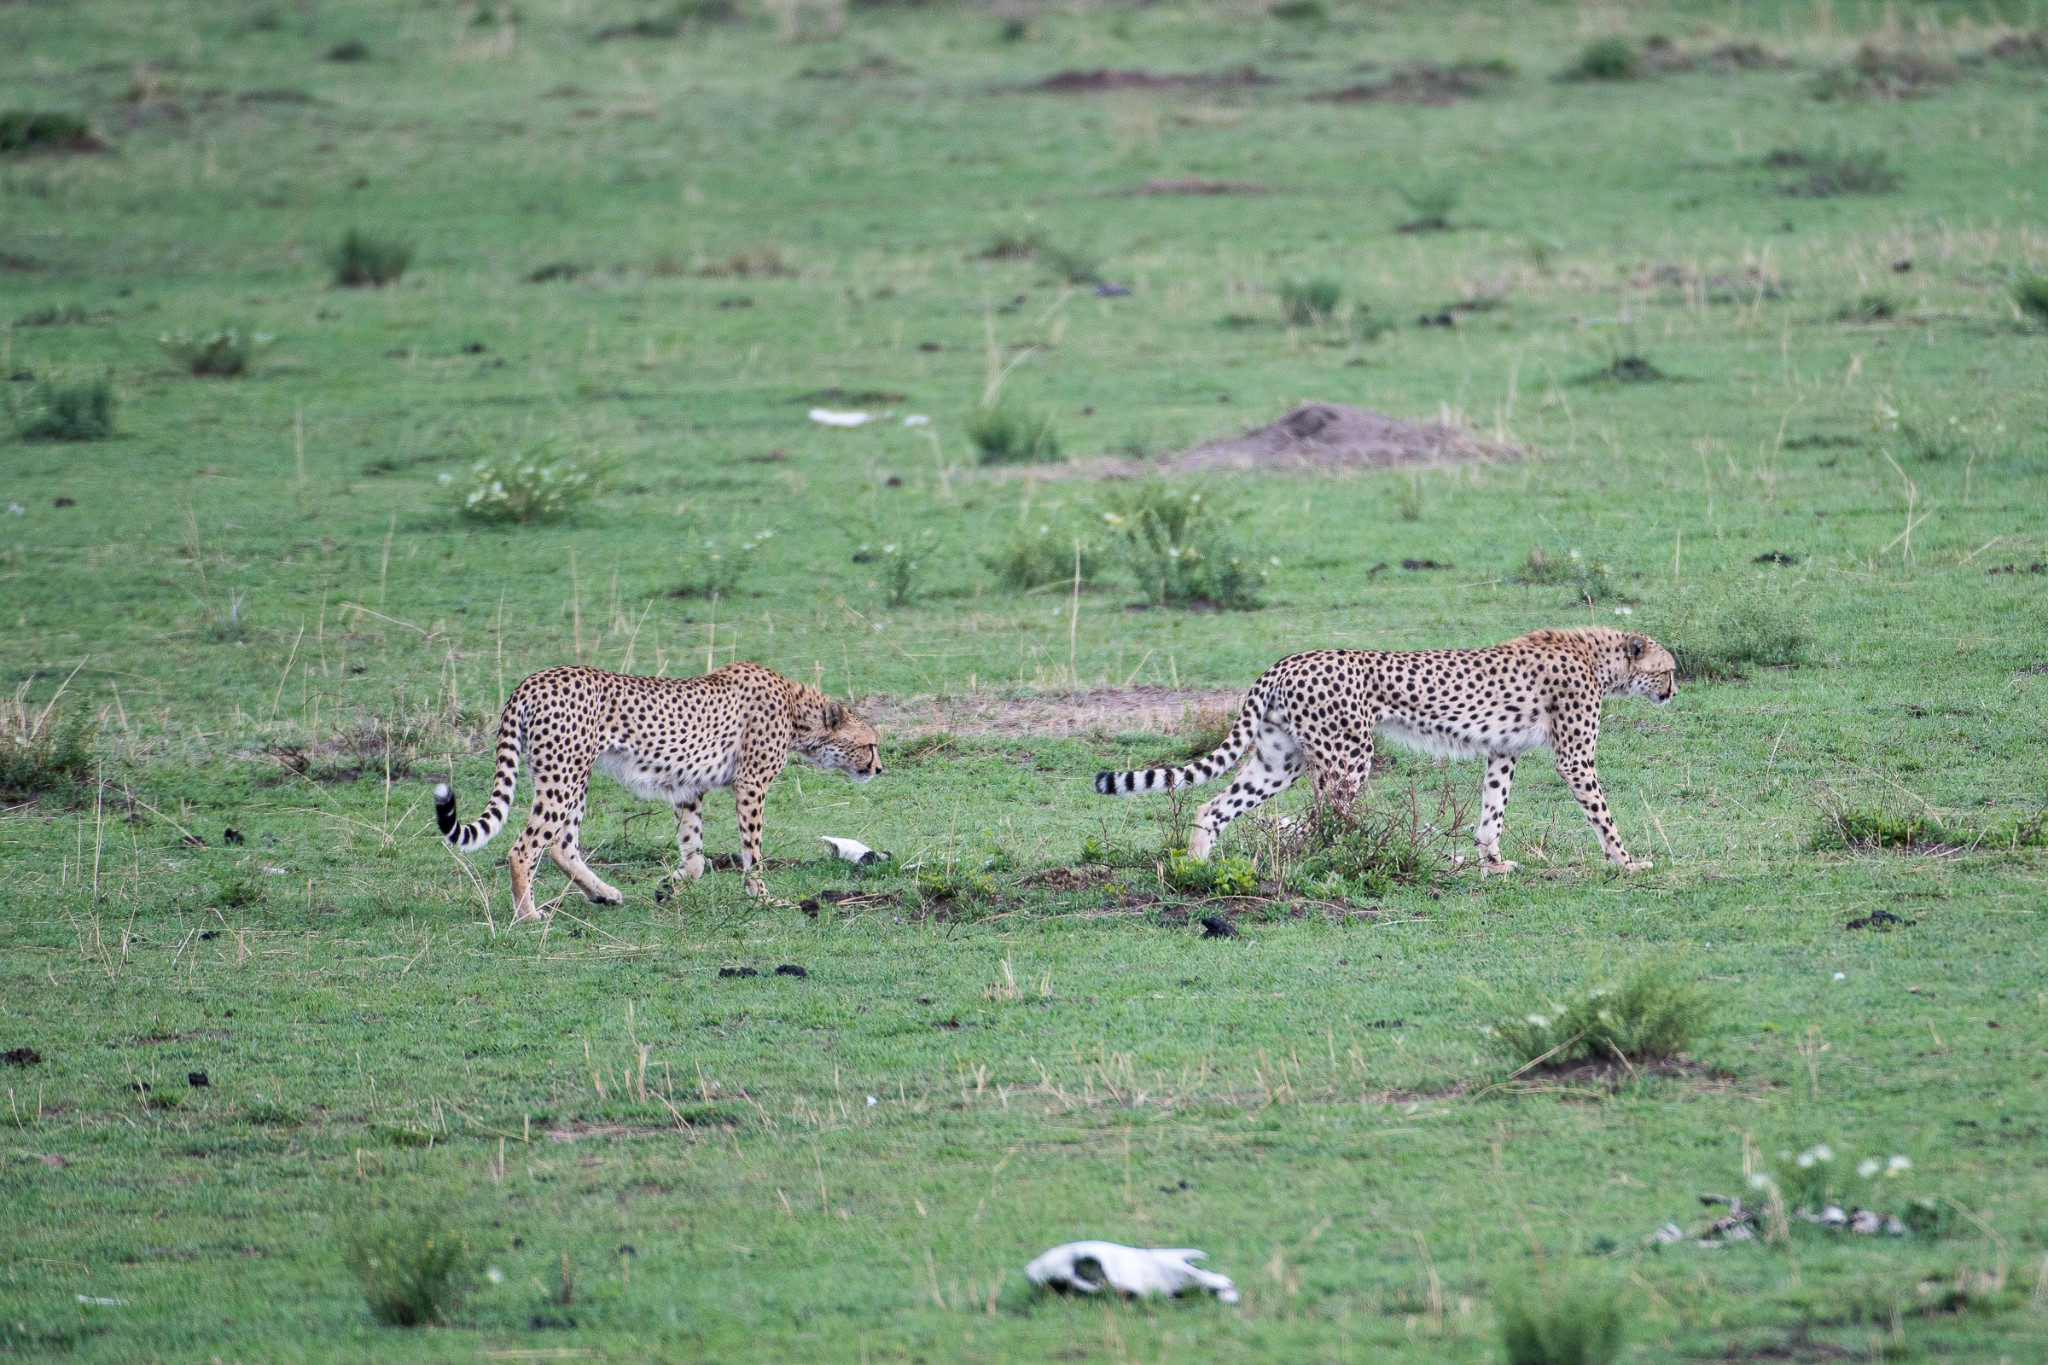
x=1453 y=741
x=618 y=765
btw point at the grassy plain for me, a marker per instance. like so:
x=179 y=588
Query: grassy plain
x=262 y=594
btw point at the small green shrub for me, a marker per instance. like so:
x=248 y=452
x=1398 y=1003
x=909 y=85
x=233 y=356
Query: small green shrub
x=1403 y=838
x=1012 y=246
x=1071 y=265
x=67 y=410
x=366 y=259
x=1876 y=306
x=1606 y=59
x=413 y=1266
x=238 y=890
x=1432 y=201
x=1229 y=875
x=42 y=753
x=1299 y=11
x=30 y=130
x=901 y=563
x=718 y=572
x=1894 y=821
x=1367 y=325
x=1831 y=173
x=1040 y=558
x=53 y=315
x=1745 y=632
x=1651 y=1016
x=538 y=485
x=220 y=354
x=1579 y=1321
x=2030 y=292
x=1817 y=1176
x=349 y=50
x=1588 y=580
x=1179 y=548
x=1309 y=303
x=950 y=883
x=553 y=271
x=1008 y=433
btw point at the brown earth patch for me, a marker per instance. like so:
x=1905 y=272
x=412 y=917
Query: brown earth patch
x=1110 y=710
x=1425 y=83
x=1070 y=878
x=1106 y=79
x=1334 y=436
x=1195 y=184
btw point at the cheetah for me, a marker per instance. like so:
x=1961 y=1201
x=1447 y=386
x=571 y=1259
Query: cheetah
x=1319 y=710
x=664 y=739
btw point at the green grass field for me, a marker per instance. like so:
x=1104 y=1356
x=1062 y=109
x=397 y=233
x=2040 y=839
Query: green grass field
x=1752 y=315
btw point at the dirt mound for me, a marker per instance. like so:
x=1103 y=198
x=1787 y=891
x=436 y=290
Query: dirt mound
x=1113 y=710
x=1426 y=83
x=1335 y=436
x=1104 y=79
x=1196 y=185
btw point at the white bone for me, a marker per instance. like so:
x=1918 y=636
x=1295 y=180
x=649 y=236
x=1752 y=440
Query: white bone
x=855 y=852
x=1137 y=1271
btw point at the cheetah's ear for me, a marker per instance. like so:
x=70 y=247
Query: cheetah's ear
x=1636 y=645
x=835 y=715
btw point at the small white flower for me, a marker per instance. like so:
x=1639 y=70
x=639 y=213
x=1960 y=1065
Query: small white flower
x=1869 y=1167
x=1759 y=1181
x=15 y=509
x=872 y=1101
x=1624 y=611
x=1274 y=561
x=1539 y=1021
x=1841 y=976
x=917 y=419
x=495 y=1275
x=1898 y=1165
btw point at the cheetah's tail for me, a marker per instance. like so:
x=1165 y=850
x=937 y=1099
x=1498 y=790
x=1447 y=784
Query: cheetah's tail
x=478 y=832
x=1209 y=765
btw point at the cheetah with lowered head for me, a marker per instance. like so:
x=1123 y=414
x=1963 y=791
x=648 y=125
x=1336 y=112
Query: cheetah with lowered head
x=665 y=739
x=1319 y=710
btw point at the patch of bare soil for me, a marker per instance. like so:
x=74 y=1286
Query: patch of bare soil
x=1070 y=878
x=1110 y=710
x=1336 y=436
x=1195 y=184
x=1425 y=83
x=1613 y=1073
x=1105 y=79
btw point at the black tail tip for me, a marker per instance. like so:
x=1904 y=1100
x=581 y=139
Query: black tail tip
x=1105 y=784
x=444 y=809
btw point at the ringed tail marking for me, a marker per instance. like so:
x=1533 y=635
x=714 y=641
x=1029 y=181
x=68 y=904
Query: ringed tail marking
x=1209 y=765
x=478 y=832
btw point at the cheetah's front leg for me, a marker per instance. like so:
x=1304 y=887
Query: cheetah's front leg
x=1575 y=766
x=750 y=794
x=1493 y=814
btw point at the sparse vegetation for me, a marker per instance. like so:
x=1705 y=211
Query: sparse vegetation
x=1875 y=306
x=541 y=483
x=1038 y=557
x=2030 y=292
x=1606 y=59
x=1309 y=303
x=1008 y=432
x=1222 y=875
x=1406 y=837
x=220 y=354
x=1431 y=202
x=1831 y=173
x=718 y=569
x=43 y=750
x=1588 y=580
x=413 y=1265
x=1071 y=265
x=365 y=259
x=1746 y=631
x=1651 y=1015
x=1580 y=1320
x=26 y=130
x=1180 y=550
x=67 y=410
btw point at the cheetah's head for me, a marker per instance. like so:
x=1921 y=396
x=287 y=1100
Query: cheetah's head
x=1651 y=671
x=831 y=736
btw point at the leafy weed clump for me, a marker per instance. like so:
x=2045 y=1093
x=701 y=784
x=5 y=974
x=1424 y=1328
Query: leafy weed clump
x=718 y=573
x=1405 y=840
x=413 y=1265
x=1041 y=559
x=1309 y=303
x=1831 y=173
x=534 y=486
x=220 y=354
x=2030 y=293
x=1576 y=1322
x=1876 y=306
x=1431 y=202
x=30 y=130
x=1746 y=632
x=365 y=260
x=1588 y=580
x=1230 y=875
x=1180 y=551
x=1071 y=265
x=1008 y=433
x=53 y=315
x=1652 y=1016
x=1606 y=59
x=1012 y=246
x=42 y=754
x=1892 y=73
x=67 y=410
